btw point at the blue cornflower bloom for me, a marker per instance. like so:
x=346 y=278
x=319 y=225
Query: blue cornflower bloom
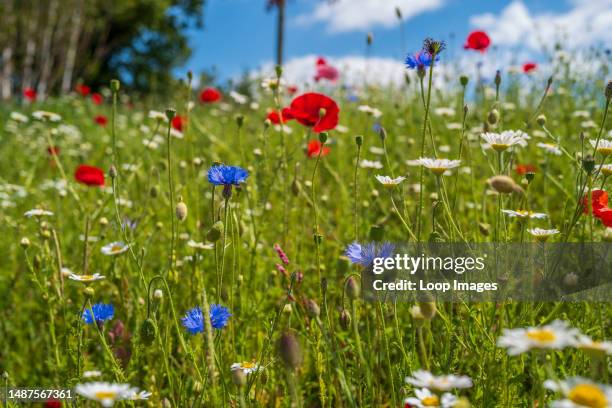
x=364 y=254
x=419 y=59
x=194 y=320
x=101 y=312
x=223 y=175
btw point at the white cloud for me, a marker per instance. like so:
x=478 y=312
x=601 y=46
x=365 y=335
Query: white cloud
x=587 y=22
x=351 y=15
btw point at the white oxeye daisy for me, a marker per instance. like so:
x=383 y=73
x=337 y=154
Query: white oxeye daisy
x=604 y=147
x=199 y=245
x=541 y=234
x=377 y=150
x=370 y=111
x=36 y=212
x=444 y=111
x=19 y=117
x=85 y=278
x=588 y=124
x=92 y=374
x=506 y=139
x=594 y=347
x=425 y=379
x=550 y=148
x=524 y=214
x=139 y=396
x=454 y=126
x=580 y=393
x=272 y=83
x=581 y=114
x=425 y=398
x=554 y=336
x=157 y=115
x=388 y=181
x=46 y=116
x=238 y=97
x=606 y=170
x=114 y=248
x=370 y=164
x=439 y=166
x=247 y=367
x=105 y=393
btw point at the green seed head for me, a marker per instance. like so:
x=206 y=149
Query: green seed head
x=359 y=140
x=115 y=85
x=463 y=80
x=290 y=351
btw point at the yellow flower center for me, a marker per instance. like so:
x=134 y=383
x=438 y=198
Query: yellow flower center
x=607 y=171
x=247 y=364
x=103 y=395
x=542 y=336
x=605 y=151
x=499 y=147
x=87 y=277
x=116 y=248
x=588 y=395
x=432 y=401
x=438 y=170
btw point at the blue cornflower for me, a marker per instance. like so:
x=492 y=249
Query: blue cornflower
x=101 y=312
x=419 y=59
x=364 y=254
x=194 y=321
x=223 y=175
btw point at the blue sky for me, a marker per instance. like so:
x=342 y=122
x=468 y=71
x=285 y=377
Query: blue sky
x=239 y=35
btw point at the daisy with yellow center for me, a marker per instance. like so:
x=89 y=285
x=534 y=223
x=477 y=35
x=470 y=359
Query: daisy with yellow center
x=390 y=182
x=554 y=336
x=114 y=248
x=247 y=367
x=439 y=166
x=524 y=214
x=595 y=348
x=503 y=141
x=541 y=234
x=440 y=383
x=426 y=399
x=606 y=170
x=37 y=212
x=85 y=278
x=603 y=147
x=105 y=393
x=199 y=245
x=550 y=148
x=46 y=116
x=580 y=393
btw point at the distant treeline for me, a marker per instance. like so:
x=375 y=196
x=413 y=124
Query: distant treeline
x=51 y=45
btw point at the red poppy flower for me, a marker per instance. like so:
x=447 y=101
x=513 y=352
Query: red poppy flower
x=523 y=169
x=477 y=40
x=274 y=117
x=605 y=215
x=321 y=61
x=315 y=110
x=83 y=89
x=314 y=147
x=53 y=403
x=53 y=150
x=179 y=122
x=292 y=89
x=327 y=72
x=89 y=175
x=101 y=120
x=30 y=94
x=97 y=98
x=529 y=67
x=210 y=95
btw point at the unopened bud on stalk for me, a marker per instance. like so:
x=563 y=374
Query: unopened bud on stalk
x=463 y=80
x=484 y=228
x=421 y=72
x=103 y=221
x=279 y=71
x=498 y=78
x=25 y=242
x=214 y=233
x=345 y=318
x=398 y=13
x=267 y=123
x=313 y=308
x=170 y=113
x=502 y=184
x=370 y=38
x=352 y=288
x=465 y=109
x=239 y=121
x=530 y=176
x=571 y=279
x=323 y=137
x=359 y=140
x=238 y=377
x=493 y=117
x=608 y=91
x=588 y=164
x=377 y=232
x=112 y=172
x=115 y=85
x=190 y=75
x=382 y=133
x=158 y=294
x=89 y=291
x=290 y=351
x=148 y=332
x=541 y=120
x=153 y=192
x=181 y=211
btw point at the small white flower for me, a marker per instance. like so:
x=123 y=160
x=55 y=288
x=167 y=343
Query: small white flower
x=595 y=347
x=114 y=248
x=604 y=147
x=92 y=374
x=238 y=97
x=341 y=129
x=370 y=164
x=37 y=212
x=524 y=214
x=370 y=111
x=439 y=166
x=377 y=150
x=425 y=379
x=156 y=115
x=139 y=396
x=588 y=124
x=85 y=278
x=199 y=245
x=454 y=126
x=46 y=116
x=550 y=148
x=580 y=392
x=606 y=170
x=388 y=181
x=247 y=367
x=443 y=111
x=542 y=234
x=554 y=336
x=19 y=117
x=425 y=398
x=581 y=114
x=105 y=393
x=506 y=139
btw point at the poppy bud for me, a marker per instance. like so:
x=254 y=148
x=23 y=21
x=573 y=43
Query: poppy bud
x=214 y=233
x=153 y=192
x=170 y=113
x=588 y=164
x=158 y=294
x=25 y=242
x=345 y=319
x=267 y=123
x=115 y=85
x=238 y=377
x=359 y=140
x=497 y=78
x=502 y=184
x=5 y=375
x=370 y=38
x=493 y=117
x=530 y=176
x=279 y=70
x=112 y=172
x=89 y=291
x=417 y=316
x=398 y=13
x=323 y=137
x=608 y=91
x=352 y=288
x=239 y=120
x=290 y=351
x=541 y=120
x=465 y=109
x=313 y=308
x=463 y=80
x=190 y=75
x=377 y=232
x=148 y=332
x=181 y=211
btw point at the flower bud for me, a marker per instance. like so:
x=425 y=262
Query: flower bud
x=115 y=85
x=493 y=117
x=427 y=304
x=484 y=228
x=289 y=350
x=417 y=316
x=89 y=291
x=214 y=233
x=370 y=38
x=170 y=114
x=181 y=211
x=112 y=172
x=398 y=12
x=279 y=71
x=158 y=294
x=103 y=221
x=571 y=279
x=502 y=184
x=25 y=242
x=359 y=140
x=190 y=75
x=352 y=288
x=345 y=319
x=153 y=192
x=608 y=91
x=323 y=137
x=541 y=119
x=377 y=232
x=463 y=80
x=239 y=120
x=588 y=164
x=530 y=176
x=148 y=332
x=313 y=308
x=498 y=78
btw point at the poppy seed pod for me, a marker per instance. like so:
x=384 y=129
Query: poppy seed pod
x=181 y=211
x=352 y=288
x=323 y=137
x=214 y=233
x=148 y=332
x=463 y=80
x=115 y=85
x=290 y=351
x=502 y=184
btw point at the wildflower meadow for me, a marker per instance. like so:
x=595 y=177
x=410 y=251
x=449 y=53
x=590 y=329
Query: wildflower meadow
x=208 y=246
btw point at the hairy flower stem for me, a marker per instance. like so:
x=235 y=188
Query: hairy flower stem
x=222 y=268
x=171 y=192
x=356 y=193
x=210 y=345
x=315 y=233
